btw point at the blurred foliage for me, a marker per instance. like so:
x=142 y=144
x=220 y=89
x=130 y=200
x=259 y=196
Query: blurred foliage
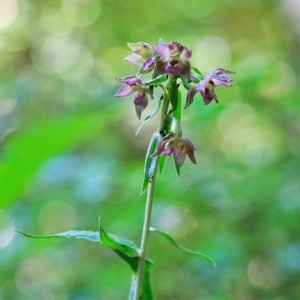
x=68 y=150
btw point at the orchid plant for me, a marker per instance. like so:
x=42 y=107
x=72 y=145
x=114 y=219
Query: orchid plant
x=170 y=69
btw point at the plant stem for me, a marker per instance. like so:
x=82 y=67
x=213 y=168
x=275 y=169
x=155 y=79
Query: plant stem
x=149 y=204
x=145 y=236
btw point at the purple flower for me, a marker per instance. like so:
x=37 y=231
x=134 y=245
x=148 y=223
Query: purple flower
x=206 y=87
x=174 y=60
x=142 y=55
x=134 y=85
x=179 y=146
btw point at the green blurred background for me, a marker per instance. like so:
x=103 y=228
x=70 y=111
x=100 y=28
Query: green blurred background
x=68 y=150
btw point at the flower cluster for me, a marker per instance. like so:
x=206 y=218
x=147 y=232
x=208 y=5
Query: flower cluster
x=169 y=62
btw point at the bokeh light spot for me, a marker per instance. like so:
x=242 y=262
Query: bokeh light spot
x=9 y=10
x=215 y=50
x=59 y=53
x=81 y=13
x=262 y=274
x=245 y=138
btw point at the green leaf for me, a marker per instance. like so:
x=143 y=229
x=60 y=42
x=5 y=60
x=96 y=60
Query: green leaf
x=197 y=71
x=149 y=117
x=185 y=82
x=172 y=241
x=177 y=111
x=118 y=243
x=78 y=234
x=173 y=94
x=126 y=249
x=177 y=166
x=24 y=152
x=156 y=81
x=150 y=162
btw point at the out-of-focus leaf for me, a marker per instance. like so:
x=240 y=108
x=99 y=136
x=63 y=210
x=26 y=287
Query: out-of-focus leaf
x=150 y=162
x=23 y=154
x=172 y=241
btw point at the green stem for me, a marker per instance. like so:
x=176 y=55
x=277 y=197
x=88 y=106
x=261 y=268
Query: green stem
x=138 y=283
x=145 y=237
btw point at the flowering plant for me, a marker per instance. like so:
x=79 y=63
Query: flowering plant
x=171 y=69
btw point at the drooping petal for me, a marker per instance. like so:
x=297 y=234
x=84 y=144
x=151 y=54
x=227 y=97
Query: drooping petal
x=134 y=59
x=141 y=52
x=180 y=157
x=190 y=96
x=124 y=91
x=140 y=102
x=159 y=68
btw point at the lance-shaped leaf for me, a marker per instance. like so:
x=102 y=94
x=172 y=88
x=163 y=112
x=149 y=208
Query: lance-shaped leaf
x=197 y=71
x=177 y=111
x=126 y=249
x=78 y=234
x=185 y=82
x=150 y=162
x=172 y=241
x=177 y=167
x=156 y=81
x=173 y=94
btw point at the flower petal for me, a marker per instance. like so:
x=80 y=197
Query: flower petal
x=124 y=91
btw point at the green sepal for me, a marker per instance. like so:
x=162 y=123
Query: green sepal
x=150 y=162
x=172 y=241
x=161 y=163
x=156 y=81
x=177 y=166
x=149 y=117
